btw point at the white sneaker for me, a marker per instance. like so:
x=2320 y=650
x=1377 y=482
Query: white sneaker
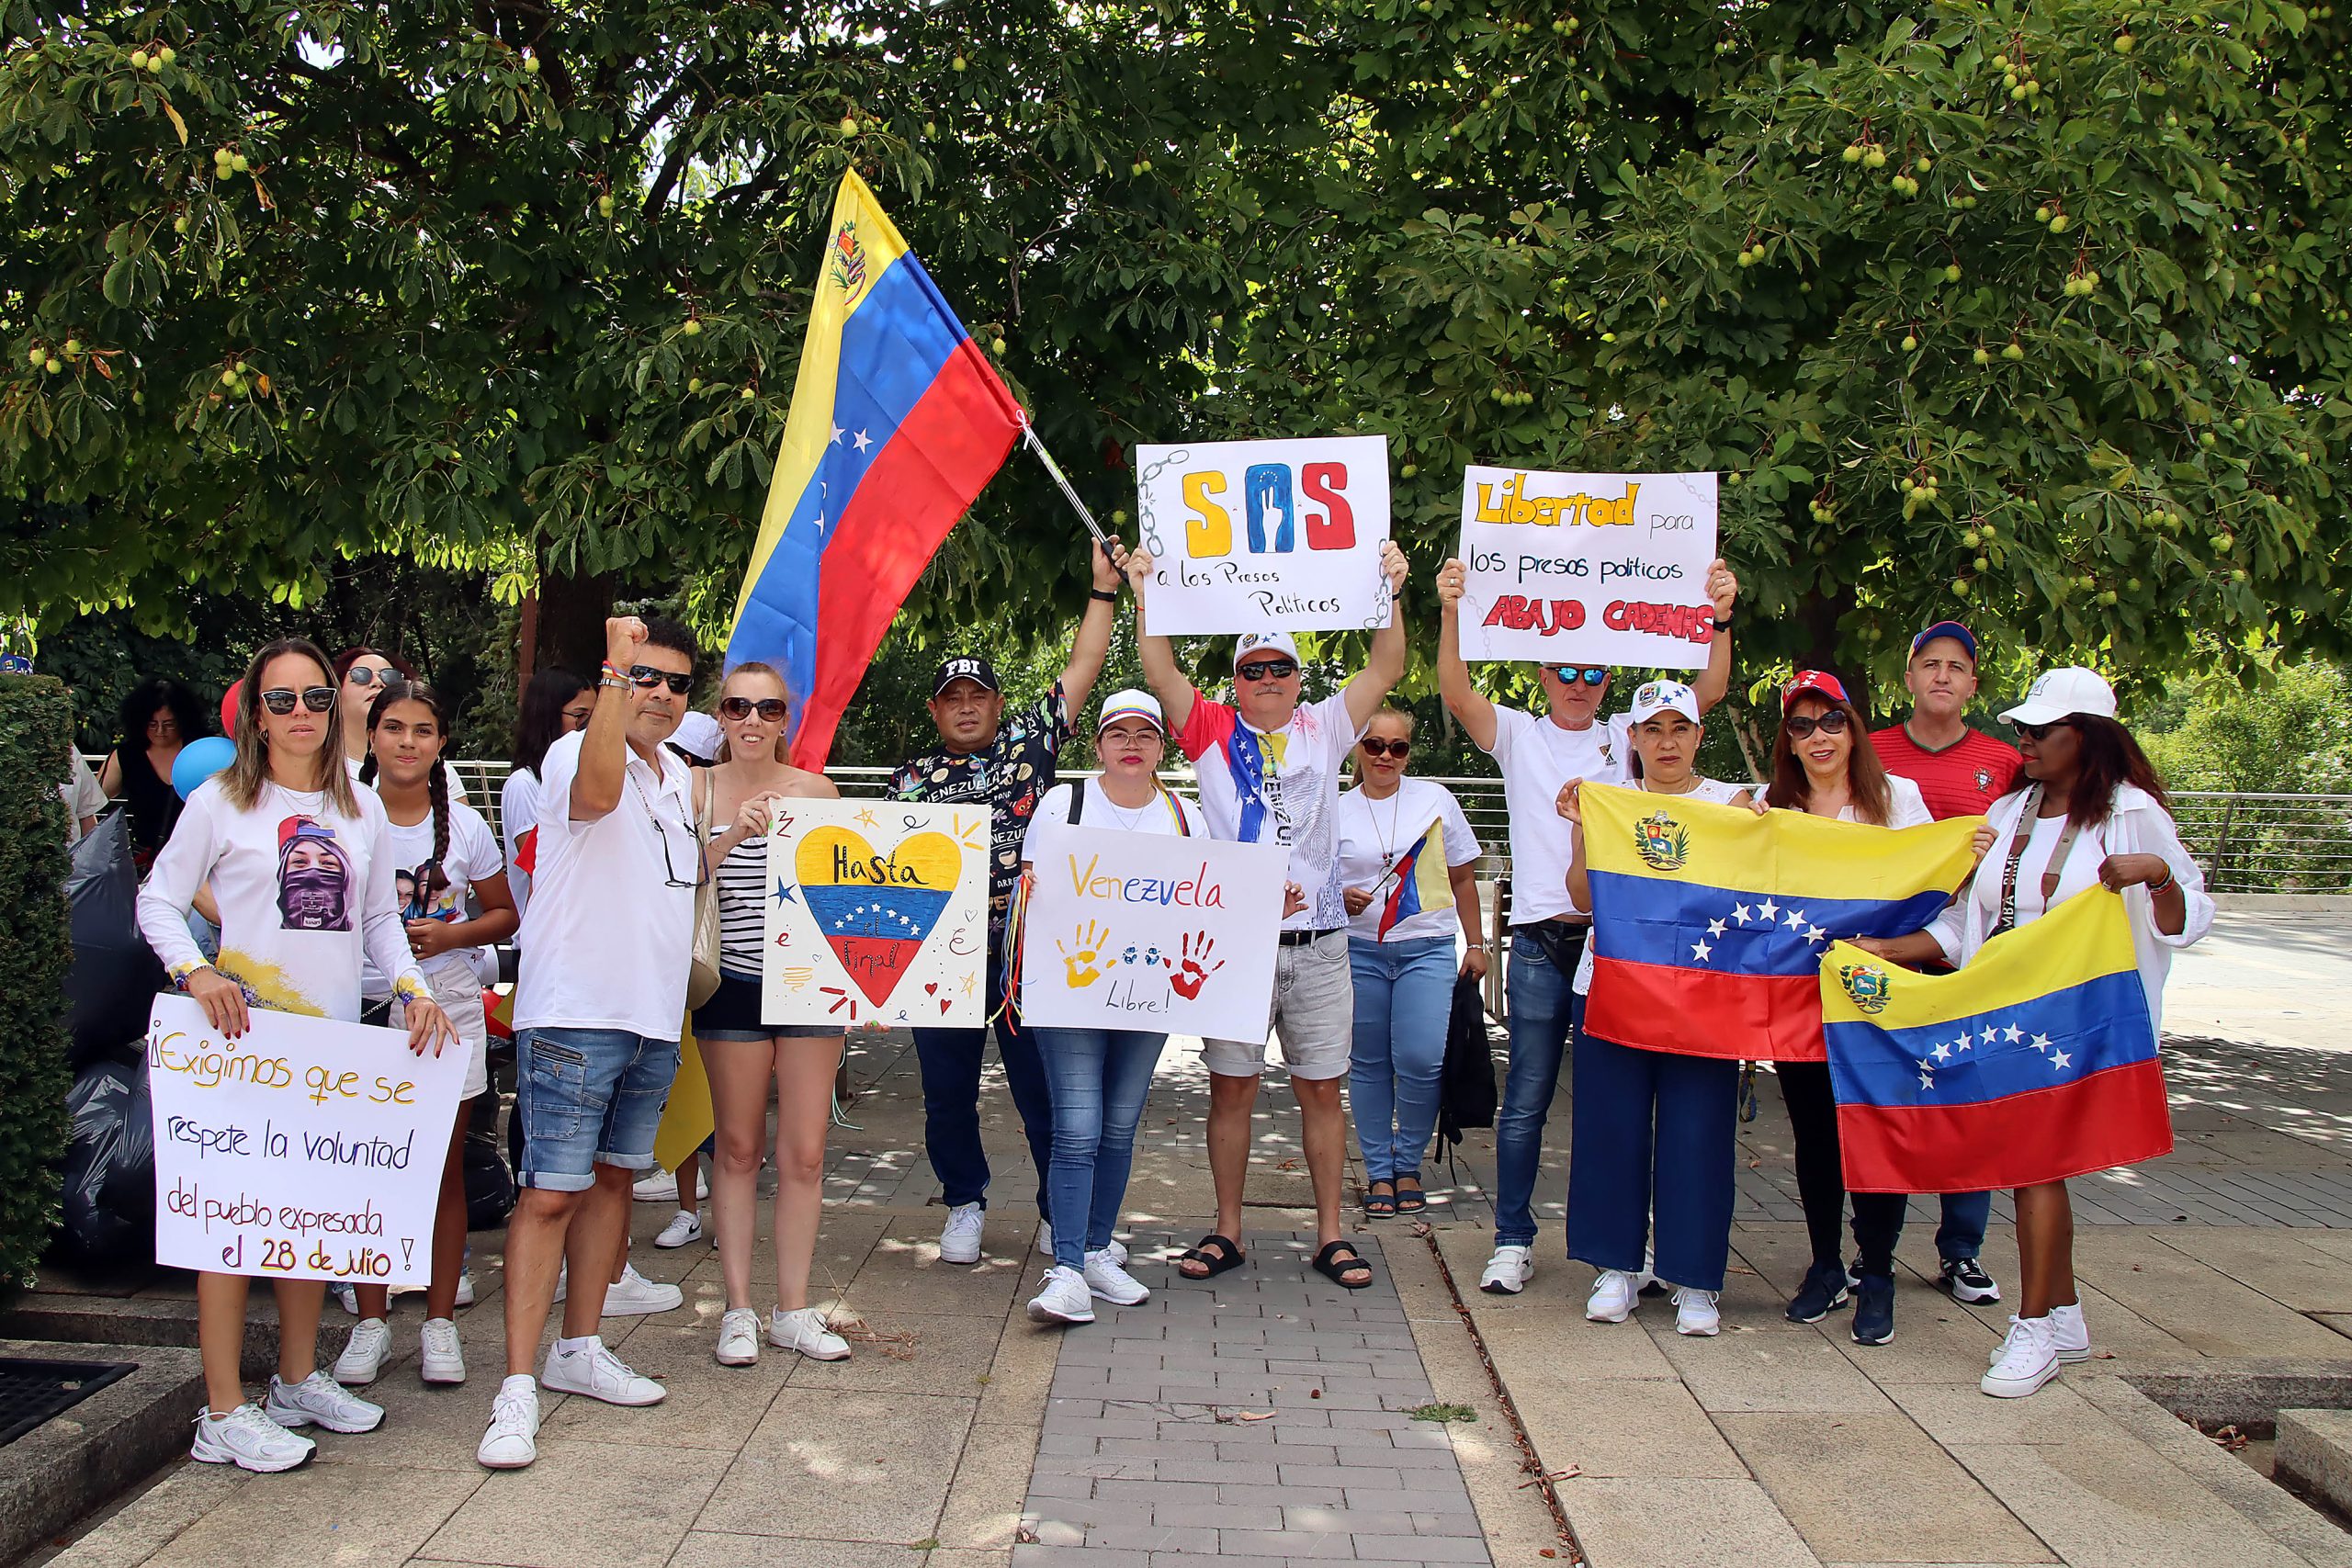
x=563 y=1280
x=248 y=1439
x=1614 y=1292
x=1694 y=1312
x=633 y=1295
x=960 y=1242
x=442 y=1362
x=1044 y=1239
x=738 y=1338
x=2028 y=1358
x=1107 y=1280
x=347 y=1298
x=363 y=1354
x=1508 y=1270
x=466 y=1289
x=661 y=1187
x=686 y=1226
x=320 y=1399
x=598 y=1373
x=1064 y=1298
x=807 y=1332
x=2070 y=1337
x=512 y=1439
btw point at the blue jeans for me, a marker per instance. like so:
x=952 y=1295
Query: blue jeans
x=950 y=1060
x=1404 y=996
x=1544 y=1016
x=1653 y=1141
x=586 y=1098
x=1963 y=1232
x=1101 y=1078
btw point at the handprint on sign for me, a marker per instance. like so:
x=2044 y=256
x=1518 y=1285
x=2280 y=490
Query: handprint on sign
x=1193 y=967
x=1084 y=963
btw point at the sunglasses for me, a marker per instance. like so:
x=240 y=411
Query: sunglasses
x=647 y=678
x=1830 y=723
x=281 y=701
x=772 y=709
x=1374 y=747
x=1572 y=674
x=2038 y=731
x=368 y=675
x=1267 y=669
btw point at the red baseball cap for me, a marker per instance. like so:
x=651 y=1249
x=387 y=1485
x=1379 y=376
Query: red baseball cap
x=1816 y=682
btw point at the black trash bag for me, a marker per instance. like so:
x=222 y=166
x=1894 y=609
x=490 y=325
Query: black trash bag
x=1466 y=1078
x=109 y=1208
x=490 y=1185
x=115 y=977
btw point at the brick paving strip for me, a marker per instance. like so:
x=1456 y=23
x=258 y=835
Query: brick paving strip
x=1264 y=1413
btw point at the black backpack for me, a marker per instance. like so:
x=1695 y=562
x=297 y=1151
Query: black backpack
x=1465 y=1086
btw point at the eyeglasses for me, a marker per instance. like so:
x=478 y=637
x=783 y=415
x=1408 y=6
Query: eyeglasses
x=1375 y=747
x=669 y=877
x=1805 y=724
x=1267 y=669
x=281 y=701
x=368 y=675
x=1572 y=674
x=647 y=678
x=772 y=709
x=2038 y=731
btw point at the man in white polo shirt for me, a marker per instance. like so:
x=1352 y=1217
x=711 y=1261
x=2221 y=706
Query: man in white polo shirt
x=608 y=937
x=1269 y=773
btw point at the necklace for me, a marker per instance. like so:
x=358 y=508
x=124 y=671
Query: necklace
x=1387 y=834
x=1125 y=817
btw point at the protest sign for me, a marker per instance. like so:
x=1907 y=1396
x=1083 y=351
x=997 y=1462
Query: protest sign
x=877 y=913
x=1588 y=569
x=1249 y=535
x=1152 y=932
x=305 y=1149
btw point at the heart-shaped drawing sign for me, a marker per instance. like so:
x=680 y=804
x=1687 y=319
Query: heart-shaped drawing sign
x=876 y=911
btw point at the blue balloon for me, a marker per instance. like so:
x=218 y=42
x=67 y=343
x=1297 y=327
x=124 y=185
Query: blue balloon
x=200 y=760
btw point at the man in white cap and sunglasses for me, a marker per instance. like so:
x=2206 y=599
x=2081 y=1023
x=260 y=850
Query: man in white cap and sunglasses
x=1538 y=756
x=1269 y=771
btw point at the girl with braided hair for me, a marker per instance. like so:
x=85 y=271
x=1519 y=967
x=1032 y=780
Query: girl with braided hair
x=442 y=850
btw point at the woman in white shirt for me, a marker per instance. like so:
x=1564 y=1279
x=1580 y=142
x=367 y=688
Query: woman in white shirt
x=2086 y=810
x=1400 y=955
x=299 y=864
x=555 y=703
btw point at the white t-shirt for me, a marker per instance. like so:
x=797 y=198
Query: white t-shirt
x=471 y=856
x=1905 y=806
x=303 y=890
x=1102 y=811
x=450 y=770
x=608 y=939
x=1295 y=798
x=83 y=796
x=1714 y=790
x=1373 y=833
x=518 y=815
x=1538 y=758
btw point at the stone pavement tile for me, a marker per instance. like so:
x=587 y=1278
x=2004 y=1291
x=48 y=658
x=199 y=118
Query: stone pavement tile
x=949 y=1557
x=1632 y=1523
x=1629 y=1427
x=2199 y=1305
x=992 y=1483
x=709 y=1406
x=717 y=1549
x=915 y=1352
x=592 y=1505
x=1936 y=1340
x=1774 y=1366
x=2340 y=1322
x=2281 y=1267
x=832 y=1466
x=1958 y=1412
x=427 y=1429
x=317 y=1514
x=1874 y=1486
x=149 y=1522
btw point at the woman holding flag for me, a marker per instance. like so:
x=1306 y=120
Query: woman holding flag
x=2087 y=809
x=1406 y=855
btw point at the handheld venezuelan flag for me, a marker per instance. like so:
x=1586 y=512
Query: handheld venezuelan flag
x=897 y=423
x=1709 y=921
x=1420 y=880
x=2035 y=1062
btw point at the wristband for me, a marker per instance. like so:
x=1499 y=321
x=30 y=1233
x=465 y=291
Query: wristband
x=1722 y=625
x=617 y=683
x=1106 y=596
x=2155 y=887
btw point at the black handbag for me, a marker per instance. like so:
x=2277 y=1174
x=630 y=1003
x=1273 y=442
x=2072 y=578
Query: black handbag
x=1466 y=1079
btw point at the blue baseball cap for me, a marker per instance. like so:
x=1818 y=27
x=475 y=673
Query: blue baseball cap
x=1952 y=629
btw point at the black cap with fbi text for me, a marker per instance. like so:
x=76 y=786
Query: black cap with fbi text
x=965 y=667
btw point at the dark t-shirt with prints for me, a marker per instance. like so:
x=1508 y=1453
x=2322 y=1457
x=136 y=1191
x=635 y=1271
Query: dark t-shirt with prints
x=1010 y=775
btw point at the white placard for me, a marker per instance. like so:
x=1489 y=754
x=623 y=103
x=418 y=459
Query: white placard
x=1152 y=932
x=877 y=913
x=306 y=1149
x=1588 y=569
x=1253 y=536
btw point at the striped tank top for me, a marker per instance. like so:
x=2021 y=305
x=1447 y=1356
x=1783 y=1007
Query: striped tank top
x=743 y=905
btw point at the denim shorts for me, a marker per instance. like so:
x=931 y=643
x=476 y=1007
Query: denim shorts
x=589 y=1097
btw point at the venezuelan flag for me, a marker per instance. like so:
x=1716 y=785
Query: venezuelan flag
x=897 y=423
x=2035 y=1062
x=1709 y=921
x=1421 y=880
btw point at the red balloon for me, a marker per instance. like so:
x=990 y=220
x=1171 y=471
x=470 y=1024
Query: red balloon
x=228 y=707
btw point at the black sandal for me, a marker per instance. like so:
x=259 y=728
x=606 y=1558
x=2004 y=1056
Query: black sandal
x=1334 y=1267
x=1410 y=1201
x=1380 y=1205
x=1228 y=1256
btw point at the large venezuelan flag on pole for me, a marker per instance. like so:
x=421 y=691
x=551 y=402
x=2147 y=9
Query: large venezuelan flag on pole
x=1709 y=921
x=2035 y=1062
x=897 y=423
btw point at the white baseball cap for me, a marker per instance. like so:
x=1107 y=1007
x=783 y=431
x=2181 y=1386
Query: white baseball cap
x=1656 y=697
x=1266 y=642
x=1131 y=704
x=2062 y=693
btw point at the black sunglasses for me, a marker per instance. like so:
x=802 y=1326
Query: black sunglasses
x=647 y=678
x=2038 y=731
x=368 y=675
x=1805 y=724
x=1572 y=674
x=1267 y=669
x=281 y=701
x=1374 y=747
x=772 y=709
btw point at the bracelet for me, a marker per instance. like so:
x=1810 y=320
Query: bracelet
x=1722 y=625
x=615 y=682
x=1105 y=595
x=2157 y=887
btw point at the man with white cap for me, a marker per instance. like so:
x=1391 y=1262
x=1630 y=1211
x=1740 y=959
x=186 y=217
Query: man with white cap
x=1539 y=755
x=1269 y=770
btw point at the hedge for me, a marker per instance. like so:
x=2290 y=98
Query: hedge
x=36 y=946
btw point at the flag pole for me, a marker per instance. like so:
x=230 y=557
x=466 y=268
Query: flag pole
x=1029 y=434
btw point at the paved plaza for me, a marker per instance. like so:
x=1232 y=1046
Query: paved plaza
x=1269 y=1414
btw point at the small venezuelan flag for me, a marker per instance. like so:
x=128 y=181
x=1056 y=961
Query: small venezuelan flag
x=1709 y=921
x=1420 y=880
x=2035 y=1062
x=897 y=423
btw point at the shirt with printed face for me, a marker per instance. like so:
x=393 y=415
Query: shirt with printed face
x=1009 y=776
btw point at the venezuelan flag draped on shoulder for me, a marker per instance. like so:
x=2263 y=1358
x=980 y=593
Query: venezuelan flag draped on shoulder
x=897 y=423
x=1709 y=921
x=2035 y=1062
x=1421 y=880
